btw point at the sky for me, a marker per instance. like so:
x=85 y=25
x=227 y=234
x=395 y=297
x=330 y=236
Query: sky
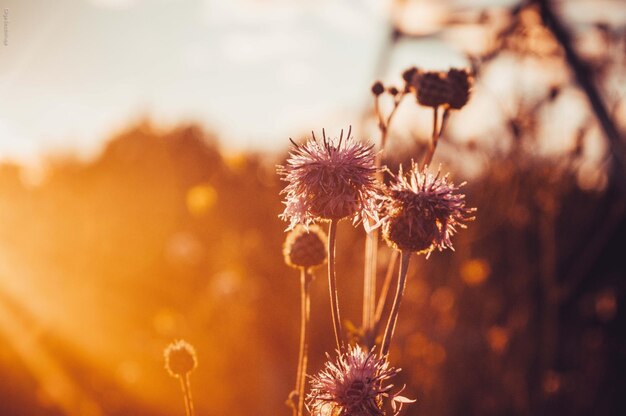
x=74 y=72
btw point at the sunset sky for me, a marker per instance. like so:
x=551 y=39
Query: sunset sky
x=255 y=71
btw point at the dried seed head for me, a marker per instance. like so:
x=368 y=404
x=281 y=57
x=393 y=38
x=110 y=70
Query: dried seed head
x=460 y=84
x=354 y=385
x=403 y=234
x=330 y=180
x=378 y=88
x=432 y=88
x=409 y=74
x=422 y=211
x=305 y=248
x=180 y=358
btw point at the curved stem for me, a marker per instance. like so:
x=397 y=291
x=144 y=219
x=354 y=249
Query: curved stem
x=332 y=283
x=393 y=316
x=305 y=313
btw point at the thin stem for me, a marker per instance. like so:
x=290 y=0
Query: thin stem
x=434 y=139
x=305 y=313
x=332 y=283
x=382 y=300
x=395 y=309
x=371 y=240
x=186 y=387
x=437 y=133
x=369 y=280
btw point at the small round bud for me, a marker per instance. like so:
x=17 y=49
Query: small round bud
x=305 y=248
x=180 y=358
x=378 y=88
x=432 y=89
x=393 y=91
x=554 y=92
x=409 y=74
x=460 y=84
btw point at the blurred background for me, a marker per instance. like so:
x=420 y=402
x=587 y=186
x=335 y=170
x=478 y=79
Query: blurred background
x=139 y=200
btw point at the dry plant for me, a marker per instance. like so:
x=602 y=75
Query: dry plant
x=418 y=211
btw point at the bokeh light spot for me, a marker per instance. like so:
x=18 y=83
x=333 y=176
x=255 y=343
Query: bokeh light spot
x=474 y=272
x=200 y=199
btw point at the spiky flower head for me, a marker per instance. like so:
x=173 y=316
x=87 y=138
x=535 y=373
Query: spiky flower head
x=305 y=247
x=423 y=210
x=330 y=180
x=180 y=358
x=354 y=385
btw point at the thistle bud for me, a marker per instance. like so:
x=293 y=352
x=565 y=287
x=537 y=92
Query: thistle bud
x=409 y=74
x=305 y=248
x=378 y=88
x=180 y=358
x=459 y=82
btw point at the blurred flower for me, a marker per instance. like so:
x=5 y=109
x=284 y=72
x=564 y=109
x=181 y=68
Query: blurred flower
x=422 y=211
x=354 y=385
x=305 y=248
x=180 y=358
x=435 y=88
x=432 y=88
x=330 y=180
x=460 y=83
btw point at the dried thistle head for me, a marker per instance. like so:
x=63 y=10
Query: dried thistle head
x=432 y=88
x=329 y=180
x=180 y=358
x=354 y=385
x=305 y=247
x=460 y=84
x=423 y=210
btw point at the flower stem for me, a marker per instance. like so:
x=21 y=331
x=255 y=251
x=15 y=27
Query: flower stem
x=382 y=300
x=332 y=283
x=305 y=313
x=405 y=255
x=369 y=284
x=186 y=387
x=437 y=133
x=371 y=239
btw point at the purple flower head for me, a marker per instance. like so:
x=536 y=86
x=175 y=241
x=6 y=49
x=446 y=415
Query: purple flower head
x=354 y=385
x=330 y=180
x=423 y=210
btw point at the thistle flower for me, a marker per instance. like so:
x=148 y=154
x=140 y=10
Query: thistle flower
x=305 y=247
x=330 y=180
x=354 y=385
x=423 y=210
x=180 y=358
